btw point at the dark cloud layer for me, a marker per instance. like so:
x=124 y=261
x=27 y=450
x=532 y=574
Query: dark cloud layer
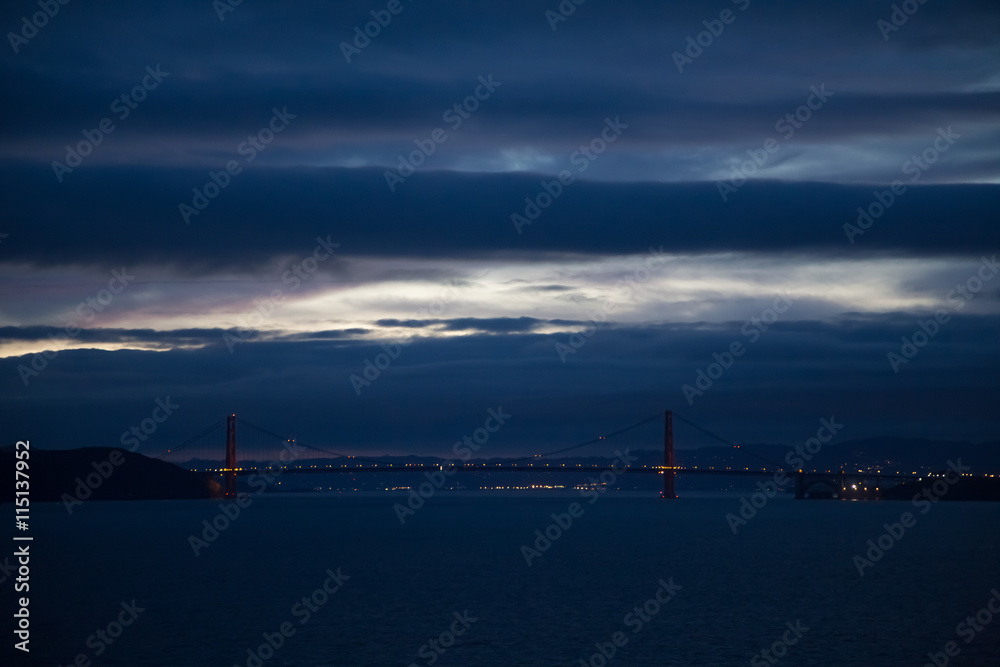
x=130 y=216
x=557 y=85
x=175 y=336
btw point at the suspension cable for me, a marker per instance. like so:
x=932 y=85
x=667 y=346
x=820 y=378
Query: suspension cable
x=721 y=439
x=302 y=444
x=191 y=440
x=590 y=442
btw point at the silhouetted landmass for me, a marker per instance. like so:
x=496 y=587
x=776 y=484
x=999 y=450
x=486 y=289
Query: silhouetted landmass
x=104 y=473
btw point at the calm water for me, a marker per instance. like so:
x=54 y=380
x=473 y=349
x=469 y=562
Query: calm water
x=793 y=562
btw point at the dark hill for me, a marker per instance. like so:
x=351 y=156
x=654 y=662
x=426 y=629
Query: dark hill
x=104 y=473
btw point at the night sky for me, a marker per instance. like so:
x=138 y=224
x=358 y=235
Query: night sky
x=572 y=217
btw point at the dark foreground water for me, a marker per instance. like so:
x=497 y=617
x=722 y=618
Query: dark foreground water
x=732 y=595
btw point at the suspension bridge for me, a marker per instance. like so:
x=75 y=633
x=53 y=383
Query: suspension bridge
x=264 y=452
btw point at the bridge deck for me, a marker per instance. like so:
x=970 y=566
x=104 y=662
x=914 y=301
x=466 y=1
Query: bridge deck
x=485 y=467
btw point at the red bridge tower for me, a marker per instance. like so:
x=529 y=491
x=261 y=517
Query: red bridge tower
x=668 y=456
x=230 y=468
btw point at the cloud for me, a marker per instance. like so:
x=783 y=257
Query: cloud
x=482 y=324
x=129 y=216
x=225 y=78
x=105 y=335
